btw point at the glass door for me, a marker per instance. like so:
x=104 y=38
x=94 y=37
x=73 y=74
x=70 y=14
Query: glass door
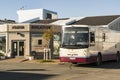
x=14 y=48
x=17 y=48
x=21 y=48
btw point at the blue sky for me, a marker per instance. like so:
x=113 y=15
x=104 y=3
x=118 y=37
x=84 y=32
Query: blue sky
x=65 y=8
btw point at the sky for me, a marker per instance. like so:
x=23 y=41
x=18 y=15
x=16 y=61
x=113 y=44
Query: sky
x=64 y=8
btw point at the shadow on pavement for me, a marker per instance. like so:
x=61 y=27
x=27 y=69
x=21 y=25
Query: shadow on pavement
x=106 y=65
x=27 y=70
x=24 y=76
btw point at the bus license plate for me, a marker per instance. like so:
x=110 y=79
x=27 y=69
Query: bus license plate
x=72 y=58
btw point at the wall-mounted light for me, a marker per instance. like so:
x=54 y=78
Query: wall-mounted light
x=20 y=34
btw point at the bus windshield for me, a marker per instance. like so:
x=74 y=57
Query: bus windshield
x=75 y=37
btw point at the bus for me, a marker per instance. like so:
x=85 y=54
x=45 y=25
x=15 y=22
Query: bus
x=89 y=44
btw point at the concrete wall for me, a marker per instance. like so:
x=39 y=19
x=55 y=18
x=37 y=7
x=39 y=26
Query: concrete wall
x=40 y=14
x=24 y=15
x=14 y=34
x=30 y=34
x=3 y=28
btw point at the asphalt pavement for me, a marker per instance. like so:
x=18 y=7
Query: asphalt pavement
x=14 y=69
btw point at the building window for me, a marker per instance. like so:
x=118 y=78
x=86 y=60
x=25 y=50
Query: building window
x=39 y=42
x=49 y=16
x=3 y=44
x=56 y=37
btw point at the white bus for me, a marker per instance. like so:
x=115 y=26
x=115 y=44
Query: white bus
x=85 y=44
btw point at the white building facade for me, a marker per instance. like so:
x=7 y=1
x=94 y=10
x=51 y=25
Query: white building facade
x=26 y=16
x=20 y=40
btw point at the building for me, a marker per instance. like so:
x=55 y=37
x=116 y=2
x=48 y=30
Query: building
x=27 y=16
x=19 y=40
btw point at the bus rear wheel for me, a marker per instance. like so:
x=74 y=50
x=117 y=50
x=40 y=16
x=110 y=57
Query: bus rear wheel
x=99 y=60
x=118 y=57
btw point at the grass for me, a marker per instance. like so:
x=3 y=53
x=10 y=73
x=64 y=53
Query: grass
x=45 y=61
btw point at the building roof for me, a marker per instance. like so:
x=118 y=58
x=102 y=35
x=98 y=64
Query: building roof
x=48 y=21
x=66 y=21
x=6 y=21
x=96 y=20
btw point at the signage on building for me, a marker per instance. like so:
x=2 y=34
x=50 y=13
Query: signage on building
x=40 y=27
x=18 y=27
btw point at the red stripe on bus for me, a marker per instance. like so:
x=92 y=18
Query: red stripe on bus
x=91 y=59
x=79 y=60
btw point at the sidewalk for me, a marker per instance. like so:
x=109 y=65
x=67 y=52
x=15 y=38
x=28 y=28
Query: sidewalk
x=17 y=60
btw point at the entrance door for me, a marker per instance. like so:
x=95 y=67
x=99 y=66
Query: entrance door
x=21 y=48
x=14 y=48
x=17 y=48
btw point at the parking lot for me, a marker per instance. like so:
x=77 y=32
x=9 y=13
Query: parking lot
x=58 y=71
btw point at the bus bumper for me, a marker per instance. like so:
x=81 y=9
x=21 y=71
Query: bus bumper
x=78 y=60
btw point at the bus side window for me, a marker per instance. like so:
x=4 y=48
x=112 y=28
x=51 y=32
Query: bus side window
x=92 y=37
x=103 y=37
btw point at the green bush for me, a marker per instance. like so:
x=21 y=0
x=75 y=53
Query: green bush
x=45 y=61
